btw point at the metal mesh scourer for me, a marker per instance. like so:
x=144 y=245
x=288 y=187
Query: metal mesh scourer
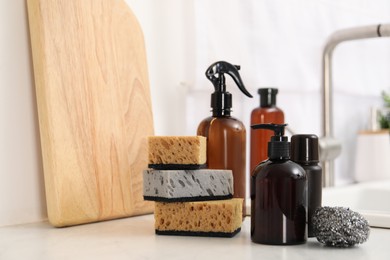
x=339 y=227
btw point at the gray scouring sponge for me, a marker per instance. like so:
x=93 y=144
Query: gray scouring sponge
x=187 y=185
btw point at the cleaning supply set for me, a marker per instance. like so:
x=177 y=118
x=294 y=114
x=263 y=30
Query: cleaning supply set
x=226 y=135
x=285 y=186
x=194 y=201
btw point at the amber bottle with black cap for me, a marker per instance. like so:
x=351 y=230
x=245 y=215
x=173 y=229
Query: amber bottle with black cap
x=304 y=151
x=226 y=135
x=278 y=195
x=266 y=113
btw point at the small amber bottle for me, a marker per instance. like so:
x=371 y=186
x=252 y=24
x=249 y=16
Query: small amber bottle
x=226 y=135
x=266 y=113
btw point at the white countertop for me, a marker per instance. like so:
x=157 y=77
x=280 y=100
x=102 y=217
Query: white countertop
x=134 y=238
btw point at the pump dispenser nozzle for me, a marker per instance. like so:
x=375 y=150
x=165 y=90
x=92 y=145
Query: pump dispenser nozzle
x=221 y=100
x=278 y=147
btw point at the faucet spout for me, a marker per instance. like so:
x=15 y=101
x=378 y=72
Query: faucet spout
x=364 y=32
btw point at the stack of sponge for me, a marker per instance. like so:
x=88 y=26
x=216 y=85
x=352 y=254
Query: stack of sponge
x=190 y=200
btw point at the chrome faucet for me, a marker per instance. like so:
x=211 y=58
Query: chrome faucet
x=330 y=147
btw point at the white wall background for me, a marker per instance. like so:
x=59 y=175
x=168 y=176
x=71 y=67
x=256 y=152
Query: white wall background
x=277 y=43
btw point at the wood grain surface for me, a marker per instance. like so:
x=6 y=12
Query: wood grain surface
x=94 y=108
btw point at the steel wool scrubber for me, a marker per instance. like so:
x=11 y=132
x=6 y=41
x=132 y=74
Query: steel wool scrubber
x=340 y=227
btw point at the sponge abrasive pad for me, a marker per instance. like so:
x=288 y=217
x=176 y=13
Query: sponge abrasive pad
x=178 y=152
x=187 y=185
x=207 y=218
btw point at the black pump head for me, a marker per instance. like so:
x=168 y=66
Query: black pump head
x=221 y=100
x=278 y=129
x=278 y=147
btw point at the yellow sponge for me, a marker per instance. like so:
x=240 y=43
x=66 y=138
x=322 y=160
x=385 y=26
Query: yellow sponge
x=220 y=218
x=177 y=152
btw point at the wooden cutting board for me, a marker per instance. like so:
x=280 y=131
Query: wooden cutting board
x=94 y=108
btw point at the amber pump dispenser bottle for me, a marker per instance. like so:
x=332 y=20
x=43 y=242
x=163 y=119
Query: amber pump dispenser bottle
x=225 y=134
x=278 y=195
x=304 y=151
x=266 y=113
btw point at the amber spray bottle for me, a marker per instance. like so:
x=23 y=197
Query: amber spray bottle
x=278 y=195
x=266 y=113
x=226 y=135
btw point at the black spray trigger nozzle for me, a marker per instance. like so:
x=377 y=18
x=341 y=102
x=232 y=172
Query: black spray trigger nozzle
x=219 y=69
x=221 y=99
